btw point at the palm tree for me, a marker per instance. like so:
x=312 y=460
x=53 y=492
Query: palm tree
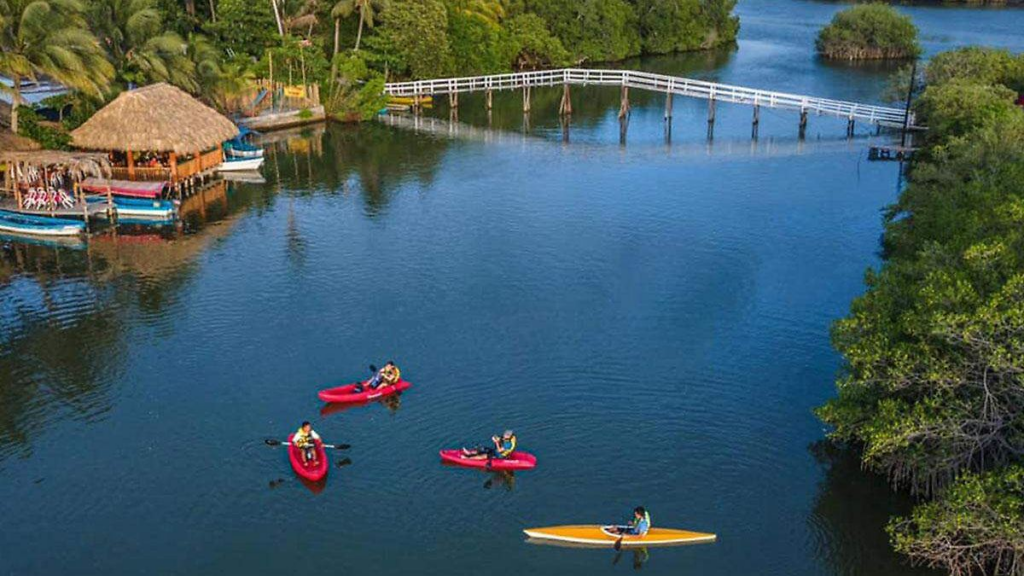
x=142 y=50
x=367 y=10
x=49 y=37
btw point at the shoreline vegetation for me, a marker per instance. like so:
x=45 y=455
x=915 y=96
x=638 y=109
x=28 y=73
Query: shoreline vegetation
x=217 y=50
x=932 y=392
x=869 y=32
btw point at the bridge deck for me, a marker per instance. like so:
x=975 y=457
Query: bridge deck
x=657 y=83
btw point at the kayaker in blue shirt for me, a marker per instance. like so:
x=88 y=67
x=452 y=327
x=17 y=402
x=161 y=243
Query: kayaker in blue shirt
x=504 y=446
x=638 y=526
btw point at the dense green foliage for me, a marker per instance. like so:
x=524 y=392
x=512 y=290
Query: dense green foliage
x=933 y=390
x=214 y=49
x=50 y=37
x=870 y=31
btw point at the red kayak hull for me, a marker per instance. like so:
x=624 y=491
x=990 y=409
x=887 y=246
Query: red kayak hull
x=311 y=473
x=518 y=461
x=347 y=395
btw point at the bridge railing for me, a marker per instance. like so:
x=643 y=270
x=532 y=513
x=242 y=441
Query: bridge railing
x=656 y=83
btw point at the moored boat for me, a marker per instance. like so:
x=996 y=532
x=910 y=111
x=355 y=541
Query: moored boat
x=234 y=164
x=16 y=223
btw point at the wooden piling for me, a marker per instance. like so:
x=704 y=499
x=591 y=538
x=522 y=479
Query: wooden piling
x=624 y=103
x=803 y=122
x=757 y=121
x=711 y=118
x=565 y=106
x=669 y=98
x=453 y=100
x=490 y=100
x=526 y=99
x=850 y=125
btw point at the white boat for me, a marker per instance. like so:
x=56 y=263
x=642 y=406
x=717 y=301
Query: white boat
x=249 y=177
x=234 y=164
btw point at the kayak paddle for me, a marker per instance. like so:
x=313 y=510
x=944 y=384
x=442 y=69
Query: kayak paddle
x=272 y=442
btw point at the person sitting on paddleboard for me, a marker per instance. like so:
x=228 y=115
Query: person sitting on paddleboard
x=305 y=440
x=386 y=376
x=504 y=446
x=638 y=526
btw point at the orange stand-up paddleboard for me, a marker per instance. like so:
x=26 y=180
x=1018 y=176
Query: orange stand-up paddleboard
x=604 y=537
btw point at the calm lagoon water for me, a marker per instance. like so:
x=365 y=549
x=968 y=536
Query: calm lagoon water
x=651 y=318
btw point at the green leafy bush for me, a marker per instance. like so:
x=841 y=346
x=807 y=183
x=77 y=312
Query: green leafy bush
x=869 y=31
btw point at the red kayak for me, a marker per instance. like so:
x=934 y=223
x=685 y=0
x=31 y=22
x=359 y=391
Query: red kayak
x=313 y=473
x=517 y=461
x=347 y=394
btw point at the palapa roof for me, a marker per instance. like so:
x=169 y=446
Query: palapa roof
x=79 y=164
x=10 y=141
x=156 y=118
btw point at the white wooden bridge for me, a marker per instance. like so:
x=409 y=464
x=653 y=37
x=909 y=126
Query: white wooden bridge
x=669 y=85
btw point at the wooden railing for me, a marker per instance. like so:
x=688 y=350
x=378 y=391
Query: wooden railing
x=185 y=169
x=656 y=83
x=144 y=173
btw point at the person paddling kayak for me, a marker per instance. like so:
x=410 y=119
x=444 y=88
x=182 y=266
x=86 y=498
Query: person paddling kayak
x=389 y=375
x=504 y=446
x=305 y=439
x=638 y=526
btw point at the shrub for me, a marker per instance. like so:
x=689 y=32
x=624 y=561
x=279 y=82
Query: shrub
x=871 y=31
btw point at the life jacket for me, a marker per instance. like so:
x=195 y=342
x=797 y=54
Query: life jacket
x=392 y=374
x=506 y=452
x=646 y=518
x=301 y=439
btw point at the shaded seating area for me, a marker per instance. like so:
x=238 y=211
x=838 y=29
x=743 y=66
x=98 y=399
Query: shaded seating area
x=49 y=182
x=157 y=133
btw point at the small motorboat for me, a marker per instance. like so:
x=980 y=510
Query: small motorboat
x=240 y=164
x=17 y=223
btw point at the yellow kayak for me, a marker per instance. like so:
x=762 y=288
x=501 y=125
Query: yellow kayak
x=603 y=536
x=409 y=100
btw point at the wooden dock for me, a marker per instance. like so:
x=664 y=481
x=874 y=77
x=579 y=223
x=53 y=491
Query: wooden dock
x=671 y=86
x=90 y=210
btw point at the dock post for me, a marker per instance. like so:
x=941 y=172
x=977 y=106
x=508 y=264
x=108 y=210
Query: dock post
x=565 y=107
x=669 y=97
x=757 y=121
x=565 y=129
x=624 y=103
x=711 y=118
x=849 y=127
x=526 y=99
x=489 y=99
x=803 y=122
x=453 y=100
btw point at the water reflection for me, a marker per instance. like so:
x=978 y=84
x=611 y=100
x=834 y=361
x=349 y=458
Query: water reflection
x=392 y=403
x=63 y=311
x=851 y=509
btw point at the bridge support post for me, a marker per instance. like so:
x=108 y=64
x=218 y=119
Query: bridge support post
x=526 y=99
x=849 y=127
x=803 y=122
x=624 y=103
x=669 y=97
x=453 y=100
x=711 y=118
x=489 y=99
x=757 y=121
x=565 y=107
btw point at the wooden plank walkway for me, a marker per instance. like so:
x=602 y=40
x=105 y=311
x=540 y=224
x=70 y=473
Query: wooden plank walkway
x=669 y=85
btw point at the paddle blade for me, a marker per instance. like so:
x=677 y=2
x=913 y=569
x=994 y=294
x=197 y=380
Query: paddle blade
x=272 y=442
x=373 y=368
x=338 y=446
x=618 y=544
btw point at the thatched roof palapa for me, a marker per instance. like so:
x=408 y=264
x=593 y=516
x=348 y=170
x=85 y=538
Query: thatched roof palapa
x=156 y=118
x=80 y=165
